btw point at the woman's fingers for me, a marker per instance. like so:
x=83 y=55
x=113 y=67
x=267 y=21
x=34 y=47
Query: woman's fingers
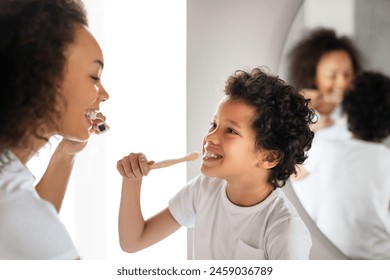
x=99 y=125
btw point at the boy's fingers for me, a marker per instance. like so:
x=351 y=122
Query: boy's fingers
x=121 y=170
x=135 y=165
x=143 y=163
x=126 y=164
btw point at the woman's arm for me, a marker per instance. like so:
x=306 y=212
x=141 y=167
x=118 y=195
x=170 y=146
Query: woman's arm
x=134 y=232
x=54 y=182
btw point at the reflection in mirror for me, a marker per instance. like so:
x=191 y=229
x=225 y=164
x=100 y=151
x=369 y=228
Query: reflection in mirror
x=367 y=236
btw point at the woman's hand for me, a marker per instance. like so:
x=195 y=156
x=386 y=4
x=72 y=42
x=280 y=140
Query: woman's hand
x=322 y=103
x=99 y=125
x=314 y=96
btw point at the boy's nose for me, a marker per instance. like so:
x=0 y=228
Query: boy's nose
x=212 y=137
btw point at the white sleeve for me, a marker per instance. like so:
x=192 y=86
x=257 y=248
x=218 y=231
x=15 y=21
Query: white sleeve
x=32 y=230
x=183 y=205
x=289 y=240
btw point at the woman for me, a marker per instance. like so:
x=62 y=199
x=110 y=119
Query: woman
x=50 y=69
x=323 y=66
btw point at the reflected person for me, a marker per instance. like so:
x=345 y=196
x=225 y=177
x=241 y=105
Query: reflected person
x=323 y=66
x=349 y=198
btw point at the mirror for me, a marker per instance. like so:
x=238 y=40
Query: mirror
x=367 y=24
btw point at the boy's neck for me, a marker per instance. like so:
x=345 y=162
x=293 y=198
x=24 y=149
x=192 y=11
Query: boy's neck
x=246 y=193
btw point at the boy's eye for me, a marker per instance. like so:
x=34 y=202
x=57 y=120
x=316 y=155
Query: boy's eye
x=213 y=125
x=231 y=131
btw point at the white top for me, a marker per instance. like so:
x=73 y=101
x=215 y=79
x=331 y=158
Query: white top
x=271 y=229
x=29 y=226
x=348 y=195
x=307 y=194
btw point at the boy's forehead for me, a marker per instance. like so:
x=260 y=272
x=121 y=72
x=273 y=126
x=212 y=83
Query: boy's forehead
x=235 y=110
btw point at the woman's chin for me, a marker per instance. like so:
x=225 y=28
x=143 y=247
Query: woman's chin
x=84 y=137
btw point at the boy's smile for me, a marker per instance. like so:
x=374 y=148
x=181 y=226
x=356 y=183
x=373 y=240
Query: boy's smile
x=229 y=145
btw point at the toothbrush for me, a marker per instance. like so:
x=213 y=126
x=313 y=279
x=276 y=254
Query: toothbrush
x=102 y=126
x=165 y=163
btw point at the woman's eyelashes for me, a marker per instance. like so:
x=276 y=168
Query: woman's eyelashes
x=95 y=78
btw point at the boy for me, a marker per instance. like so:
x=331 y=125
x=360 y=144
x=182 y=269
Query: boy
x=259 y=133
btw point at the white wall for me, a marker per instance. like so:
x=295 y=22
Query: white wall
x=144 y=47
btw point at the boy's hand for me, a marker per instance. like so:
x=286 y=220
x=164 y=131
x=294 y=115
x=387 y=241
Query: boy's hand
x=134 y=166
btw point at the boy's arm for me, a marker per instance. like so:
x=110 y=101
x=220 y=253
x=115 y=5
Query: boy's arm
x=134 y=232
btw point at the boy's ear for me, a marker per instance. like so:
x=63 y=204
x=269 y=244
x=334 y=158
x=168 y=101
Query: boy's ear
x=269 y=159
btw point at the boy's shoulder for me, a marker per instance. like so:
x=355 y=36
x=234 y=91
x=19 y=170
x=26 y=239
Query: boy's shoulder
x=281 y=208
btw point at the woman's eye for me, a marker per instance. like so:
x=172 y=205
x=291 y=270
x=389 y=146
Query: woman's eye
x=213 y=125
x=96 y=79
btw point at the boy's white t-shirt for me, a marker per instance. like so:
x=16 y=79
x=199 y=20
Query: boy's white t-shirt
x=271 y=229
x=29 y=226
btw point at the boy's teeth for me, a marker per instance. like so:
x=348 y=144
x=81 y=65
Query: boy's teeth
x=211 y=155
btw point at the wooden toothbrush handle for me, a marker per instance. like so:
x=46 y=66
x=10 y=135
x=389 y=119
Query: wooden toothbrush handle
x=165 y=163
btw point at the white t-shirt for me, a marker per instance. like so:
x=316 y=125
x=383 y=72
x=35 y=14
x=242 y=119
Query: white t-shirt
x=349 y=195
x=304 y=188
x=271 y=229
x=29 y=226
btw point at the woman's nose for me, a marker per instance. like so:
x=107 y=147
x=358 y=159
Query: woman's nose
x=103 y=95
x=342 y=82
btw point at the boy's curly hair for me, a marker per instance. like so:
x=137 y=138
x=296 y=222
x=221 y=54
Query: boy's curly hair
x=282 y=118
x=306 y=54
x=367 y=106
x=34 y=36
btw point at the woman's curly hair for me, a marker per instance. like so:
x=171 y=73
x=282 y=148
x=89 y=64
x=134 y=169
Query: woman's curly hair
x=367 y=106
x=34 y=36
x=306 y=54
x=282 y=118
